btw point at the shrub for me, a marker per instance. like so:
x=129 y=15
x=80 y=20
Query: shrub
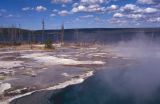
x=48 y=44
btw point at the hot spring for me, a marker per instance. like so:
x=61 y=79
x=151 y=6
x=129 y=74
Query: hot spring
x=135 y=82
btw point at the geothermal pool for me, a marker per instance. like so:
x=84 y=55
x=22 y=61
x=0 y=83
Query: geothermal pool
x=121 y=73
x=136 y=83
x=132 y=79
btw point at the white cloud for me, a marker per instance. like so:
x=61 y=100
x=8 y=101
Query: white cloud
x=154 y=19
x=129 y=16
x=61 y=1
x=129 y=7
x=63 y=13
x=112 y=8
x=118 y=15
x=150 y=10
x=87 y=16
x=54 y=10
x=92 y=6
x=4 y=14
x=135 y=16
x=75 y=5
x=79 y=8
x=93 y=1
x=146 y=1
x=27 y=8
x=52 y=15
x=134 y=13
x=95 y=8
x=63 y=5
x=41 y=8
x=117 y=21
x=9 y=15
x=89 y=8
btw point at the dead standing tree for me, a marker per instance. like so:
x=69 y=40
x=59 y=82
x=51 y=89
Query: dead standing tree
x=43 y=31
x=8 y=33
x=62 y=34
x=20 y=35
x=12 y=35
x=76 y=36
x=2 y=35
x=59 y=35
x=30 y=39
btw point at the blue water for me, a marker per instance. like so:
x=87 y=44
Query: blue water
x=138 y=83
x=135 y=84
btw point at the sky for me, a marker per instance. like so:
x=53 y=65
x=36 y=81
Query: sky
x=80 y=13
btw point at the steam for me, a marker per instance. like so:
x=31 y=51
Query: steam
x=136 y=82
x=139 y=47
x=141 y=79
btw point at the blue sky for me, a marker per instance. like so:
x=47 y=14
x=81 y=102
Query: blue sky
x=80 y=13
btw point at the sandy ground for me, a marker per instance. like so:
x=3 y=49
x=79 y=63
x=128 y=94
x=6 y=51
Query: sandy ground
x=25 y=71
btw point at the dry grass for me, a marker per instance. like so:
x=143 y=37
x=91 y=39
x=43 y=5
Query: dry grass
x=29 y=47
x=2 y=77
x=25 y=47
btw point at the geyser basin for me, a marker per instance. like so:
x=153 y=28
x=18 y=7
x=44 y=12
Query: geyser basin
x=132 y=81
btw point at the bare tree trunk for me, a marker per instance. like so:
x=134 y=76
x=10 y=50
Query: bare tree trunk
x=12 y=35
x=1 y=31
x=77 y=34
x=43 y=29
x=62 y=34
x=30 y=39
x=8 y=30
x=19 y=34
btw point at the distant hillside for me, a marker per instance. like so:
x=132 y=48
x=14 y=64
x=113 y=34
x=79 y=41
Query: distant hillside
x=11 y=30
x=103 y=35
